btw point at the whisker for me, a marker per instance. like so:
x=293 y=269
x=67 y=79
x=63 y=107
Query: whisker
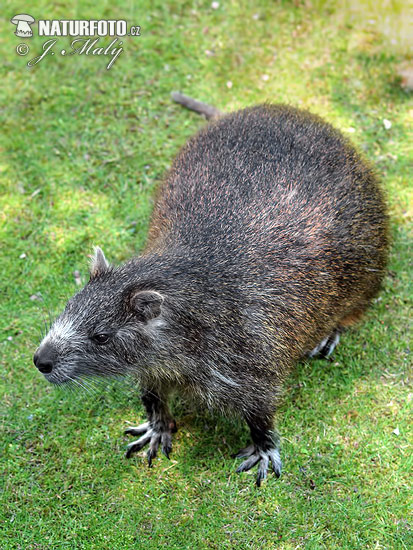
x=69 y=386
x=87 y=383
x=78 y=383
x=45 y=329
x=50 y=319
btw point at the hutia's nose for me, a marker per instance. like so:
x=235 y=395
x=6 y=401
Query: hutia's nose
x=44 y=358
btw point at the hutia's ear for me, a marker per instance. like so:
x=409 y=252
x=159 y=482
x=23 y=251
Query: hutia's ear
x=146 y=304
x=98 y=263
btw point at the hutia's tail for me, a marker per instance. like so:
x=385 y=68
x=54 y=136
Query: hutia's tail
x=202 y=108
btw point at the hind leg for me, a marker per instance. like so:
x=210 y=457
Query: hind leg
x=326 y=347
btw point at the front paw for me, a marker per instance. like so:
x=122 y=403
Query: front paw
x=157 y=435
x=264 y=459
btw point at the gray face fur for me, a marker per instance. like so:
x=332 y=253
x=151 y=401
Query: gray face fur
x=108 y=328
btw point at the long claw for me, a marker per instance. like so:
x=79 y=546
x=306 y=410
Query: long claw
x=262 y=469
x=263 y=458
x=245 y=452
x=137 y=445
x=166 y=444
x=276 y=463
x=154 y=436
x=249 y=463
x=150 y=455
x=137 y=430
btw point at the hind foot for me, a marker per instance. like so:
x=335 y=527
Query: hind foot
x=156 y=434
x=327 y=346
x=264 y=458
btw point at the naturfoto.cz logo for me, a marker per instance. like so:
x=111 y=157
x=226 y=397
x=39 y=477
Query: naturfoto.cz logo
x=86 y=42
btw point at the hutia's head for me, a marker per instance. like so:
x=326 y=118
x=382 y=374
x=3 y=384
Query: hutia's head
x=111 y=326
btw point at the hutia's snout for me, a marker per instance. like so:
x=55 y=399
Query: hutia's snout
x=45 y=358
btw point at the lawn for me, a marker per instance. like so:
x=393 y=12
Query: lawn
x=82 y=149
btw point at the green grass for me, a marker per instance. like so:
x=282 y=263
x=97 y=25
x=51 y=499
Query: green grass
x=81 y=151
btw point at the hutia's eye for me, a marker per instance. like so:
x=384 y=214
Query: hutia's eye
x=101 y=338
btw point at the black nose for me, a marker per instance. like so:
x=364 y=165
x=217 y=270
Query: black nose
x=44 y=358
